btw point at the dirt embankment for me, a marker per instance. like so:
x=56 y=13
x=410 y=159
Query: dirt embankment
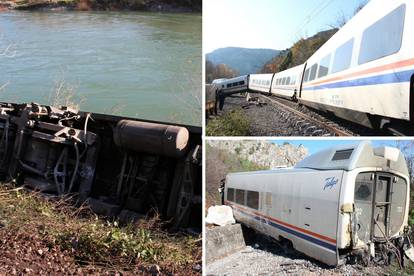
x=112 y=5
x=47 y=236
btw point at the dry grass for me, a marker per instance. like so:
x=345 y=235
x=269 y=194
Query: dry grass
x=87 y=241
x=64 y=94
x=233 y=123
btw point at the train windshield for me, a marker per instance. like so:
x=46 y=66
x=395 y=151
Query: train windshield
x=380 y=200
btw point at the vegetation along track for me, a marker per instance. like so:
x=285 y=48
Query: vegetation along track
x=312 y=123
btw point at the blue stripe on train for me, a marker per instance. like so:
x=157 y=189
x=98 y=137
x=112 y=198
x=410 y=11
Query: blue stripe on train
x=396 y=77
x=293 y=232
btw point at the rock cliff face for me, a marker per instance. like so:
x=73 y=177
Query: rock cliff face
x=263 y=153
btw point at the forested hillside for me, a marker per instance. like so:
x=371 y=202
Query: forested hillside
x=298 y=53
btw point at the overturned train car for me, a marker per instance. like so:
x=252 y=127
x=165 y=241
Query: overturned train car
x=339 y=205
x=118 y=166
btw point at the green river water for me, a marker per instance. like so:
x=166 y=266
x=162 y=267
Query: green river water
x=142 y=65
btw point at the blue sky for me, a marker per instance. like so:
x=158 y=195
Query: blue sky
x=274 y=24
x=317 y=145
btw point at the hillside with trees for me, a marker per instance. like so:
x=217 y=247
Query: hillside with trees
x=304 y=48
x=244 y=60
x=298 y=53
x=219 y=71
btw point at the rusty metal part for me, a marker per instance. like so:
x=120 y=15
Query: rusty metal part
x=151 y=138
x=334 y=130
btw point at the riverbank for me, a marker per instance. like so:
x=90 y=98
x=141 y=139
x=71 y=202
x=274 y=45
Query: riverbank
x=107 y=5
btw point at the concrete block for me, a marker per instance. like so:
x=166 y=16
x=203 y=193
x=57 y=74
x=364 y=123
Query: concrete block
x=222 y=241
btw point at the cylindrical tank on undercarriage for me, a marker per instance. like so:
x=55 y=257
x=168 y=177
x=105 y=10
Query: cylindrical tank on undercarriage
x=152 y=138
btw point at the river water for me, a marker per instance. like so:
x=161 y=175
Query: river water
x=142 y=65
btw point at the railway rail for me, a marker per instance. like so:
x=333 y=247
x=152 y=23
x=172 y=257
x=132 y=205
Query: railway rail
x=310 y=125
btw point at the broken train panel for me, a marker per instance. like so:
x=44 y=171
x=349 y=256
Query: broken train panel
x=339 y=205
x=119 y=166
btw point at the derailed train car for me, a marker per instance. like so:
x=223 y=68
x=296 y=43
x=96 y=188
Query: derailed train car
x=118 y=166
x=338 y=205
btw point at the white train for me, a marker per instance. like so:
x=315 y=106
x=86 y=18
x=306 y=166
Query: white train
x=260 y=83
x=287 y=83
x=336 y=205
x=365 y=72
x=231 y=86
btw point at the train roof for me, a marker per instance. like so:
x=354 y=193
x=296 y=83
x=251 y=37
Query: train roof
x=347 y=157
x=350 y=157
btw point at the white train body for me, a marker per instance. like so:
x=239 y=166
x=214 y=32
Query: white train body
x=367 y=66
x=287 y=83
x=327 y=204
x=231 y=86
x=260 y=83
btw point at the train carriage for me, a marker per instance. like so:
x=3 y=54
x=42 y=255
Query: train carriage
x=364 y=73
x=232 y=86
x=334 y=205
x=286 y=84
x=260 y=83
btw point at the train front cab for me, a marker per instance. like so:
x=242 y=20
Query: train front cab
x=378 y=216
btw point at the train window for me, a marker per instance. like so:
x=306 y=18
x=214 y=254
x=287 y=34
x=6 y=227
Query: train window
x=312 y=74
x=241 y=83
x=253 y=199
x=363 y=187
x=230 y=194
x=324 y=66
x=342 y=154
x=384 y=37
x=288 y=81
x=343 y=55
x=240 y=196
x=305 y=78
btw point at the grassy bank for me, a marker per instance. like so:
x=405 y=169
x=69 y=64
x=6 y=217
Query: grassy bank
x=40 y=236
x=139 y=5
x=234 y=123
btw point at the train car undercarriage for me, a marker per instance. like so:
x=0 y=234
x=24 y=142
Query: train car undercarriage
x=118 y=166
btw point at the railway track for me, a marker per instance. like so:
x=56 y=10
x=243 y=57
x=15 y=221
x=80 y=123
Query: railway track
x=310 y=125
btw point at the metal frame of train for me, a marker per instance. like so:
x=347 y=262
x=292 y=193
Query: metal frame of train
x=364 y=73
x=342 y=204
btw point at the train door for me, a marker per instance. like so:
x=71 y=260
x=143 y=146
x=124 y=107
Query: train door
x=379 y=205
x=267 y=208
x=271 y=85
x=301 y=81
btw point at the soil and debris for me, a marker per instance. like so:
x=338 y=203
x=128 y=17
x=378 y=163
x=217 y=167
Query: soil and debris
x=43 y=236
x=267 y=120
x=264 y=256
